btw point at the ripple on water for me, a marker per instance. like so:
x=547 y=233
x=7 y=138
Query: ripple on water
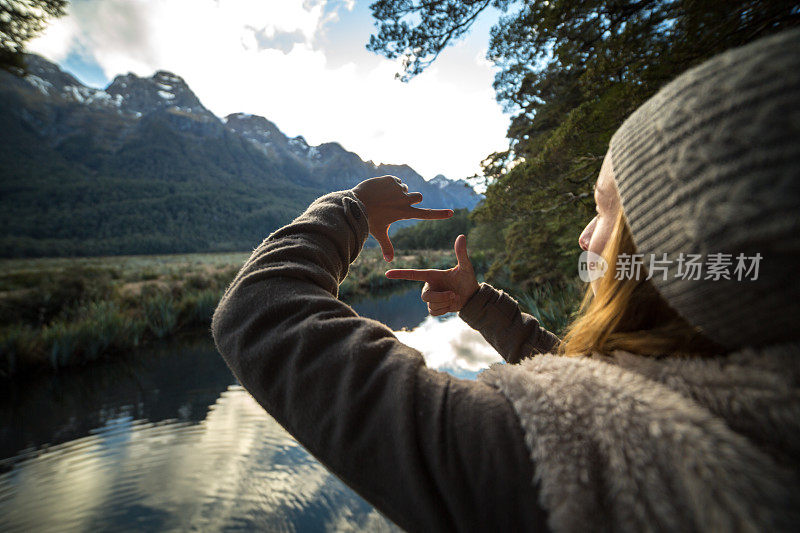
x=236 y=469
x=145 y=450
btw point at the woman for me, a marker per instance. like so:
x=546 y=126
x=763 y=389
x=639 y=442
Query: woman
x=674 y=402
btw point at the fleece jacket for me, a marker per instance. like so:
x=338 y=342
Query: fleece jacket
x=597 y=442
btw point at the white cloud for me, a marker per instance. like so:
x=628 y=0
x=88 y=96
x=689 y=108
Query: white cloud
x=449 y=343
x=58 y=40
x=236 y=466
x=262 y=57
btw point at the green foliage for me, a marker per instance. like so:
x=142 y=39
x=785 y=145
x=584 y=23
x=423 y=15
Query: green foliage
x=439 y=24
x=367 y=273
x=38 y=298
x=554 y=305
x=20 y=21
x=154 y=190
x=97 y=330
x=160 y=313
x=433 y=234
x=20 y=345
x=197 y=308
x=100 y=328
x=571 y=71
x=66 y=312
x=107 y=306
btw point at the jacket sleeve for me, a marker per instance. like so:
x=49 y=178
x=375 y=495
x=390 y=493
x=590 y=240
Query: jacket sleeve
x=430 y=451
x=514 y=334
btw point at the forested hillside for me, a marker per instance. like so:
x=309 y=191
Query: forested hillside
x=82 y=197
x=570 y=72
x=433 y=234
x=142 y=167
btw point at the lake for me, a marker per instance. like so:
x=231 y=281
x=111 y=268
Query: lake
x=169 y=441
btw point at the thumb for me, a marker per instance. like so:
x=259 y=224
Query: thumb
x=461 y=252
x=386 y=244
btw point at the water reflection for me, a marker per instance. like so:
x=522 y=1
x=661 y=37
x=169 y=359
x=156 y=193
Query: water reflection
x=177 y=380
x=169 y=442
x=399 y=310
x=446 y=342
x=237 y=469
x=449 y=344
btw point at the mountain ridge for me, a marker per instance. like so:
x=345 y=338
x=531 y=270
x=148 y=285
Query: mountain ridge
x=163 y=172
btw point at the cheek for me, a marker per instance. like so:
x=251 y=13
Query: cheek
x=600 y=237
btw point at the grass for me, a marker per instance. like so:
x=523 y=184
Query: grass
x=61 y=312
x=553 y=305
x=366 y=275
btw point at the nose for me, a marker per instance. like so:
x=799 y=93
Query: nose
x=583 y=243
x=586 y=235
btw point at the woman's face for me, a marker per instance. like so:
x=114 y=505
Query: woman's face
x=597 y=232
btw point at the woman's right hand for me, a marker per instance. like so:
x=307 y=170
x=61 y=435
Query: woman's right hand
x=445 y=291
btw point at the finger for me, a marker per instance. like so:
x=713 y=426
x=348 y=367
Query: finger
x=415 y=197
x=440 y=308
x=446 y=297
x=438 y=311
x=386 y=245
x=414 y=274
x=461 y=251
x=430 y=214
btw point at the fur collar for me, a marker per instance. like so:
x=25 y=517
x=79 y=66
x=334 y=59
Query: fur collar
x=631 y=443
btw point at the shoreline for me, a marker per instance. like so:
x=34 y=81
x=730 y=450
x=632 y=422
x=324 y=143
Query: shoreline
x=65 y=312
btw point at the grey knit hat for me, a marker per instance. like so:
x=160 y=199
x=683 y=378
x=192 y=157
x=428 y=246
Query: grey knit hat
x=710 y=166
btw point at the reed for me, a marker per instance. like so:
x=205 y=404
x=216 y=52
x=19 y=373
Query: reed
x=197 y=308
x=161 y=314
x=553 y=305
x=56 y=313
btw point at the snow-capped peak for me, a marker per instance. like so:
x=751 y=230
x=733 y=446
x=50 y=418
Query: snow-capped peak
x=440 y=181
x=162 y=90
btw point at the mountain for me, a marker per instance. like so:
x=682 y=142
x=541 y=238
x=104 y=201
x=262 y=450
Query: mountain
x=143 y=167
x=331 y=167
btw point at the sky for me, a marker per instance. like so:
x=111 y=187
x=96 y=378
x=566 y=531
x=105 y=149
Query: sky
x=302 y=64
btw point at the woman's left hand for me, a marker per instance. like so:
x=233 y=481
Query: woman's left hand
x=387 y=200
x=445 y=291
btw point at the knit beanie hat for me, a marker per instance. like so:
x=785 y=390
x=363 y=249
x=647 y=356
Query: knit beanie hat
x=708 y=171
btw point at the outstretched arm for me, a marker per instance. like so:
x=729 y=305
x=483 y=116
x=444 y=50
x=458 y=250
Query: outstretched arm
x=514 y=334
x=430 y=451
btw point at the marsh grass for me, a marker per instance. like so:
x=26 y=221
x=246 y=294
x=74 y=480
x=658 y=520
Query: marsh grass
x=367 y=273
x=56 y=313
x=553 y=305
x=160 y=313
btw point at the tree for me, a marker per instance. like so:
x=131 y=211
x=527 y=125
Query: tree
x=570 y=72
x=20 y=21
x=433 y=234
